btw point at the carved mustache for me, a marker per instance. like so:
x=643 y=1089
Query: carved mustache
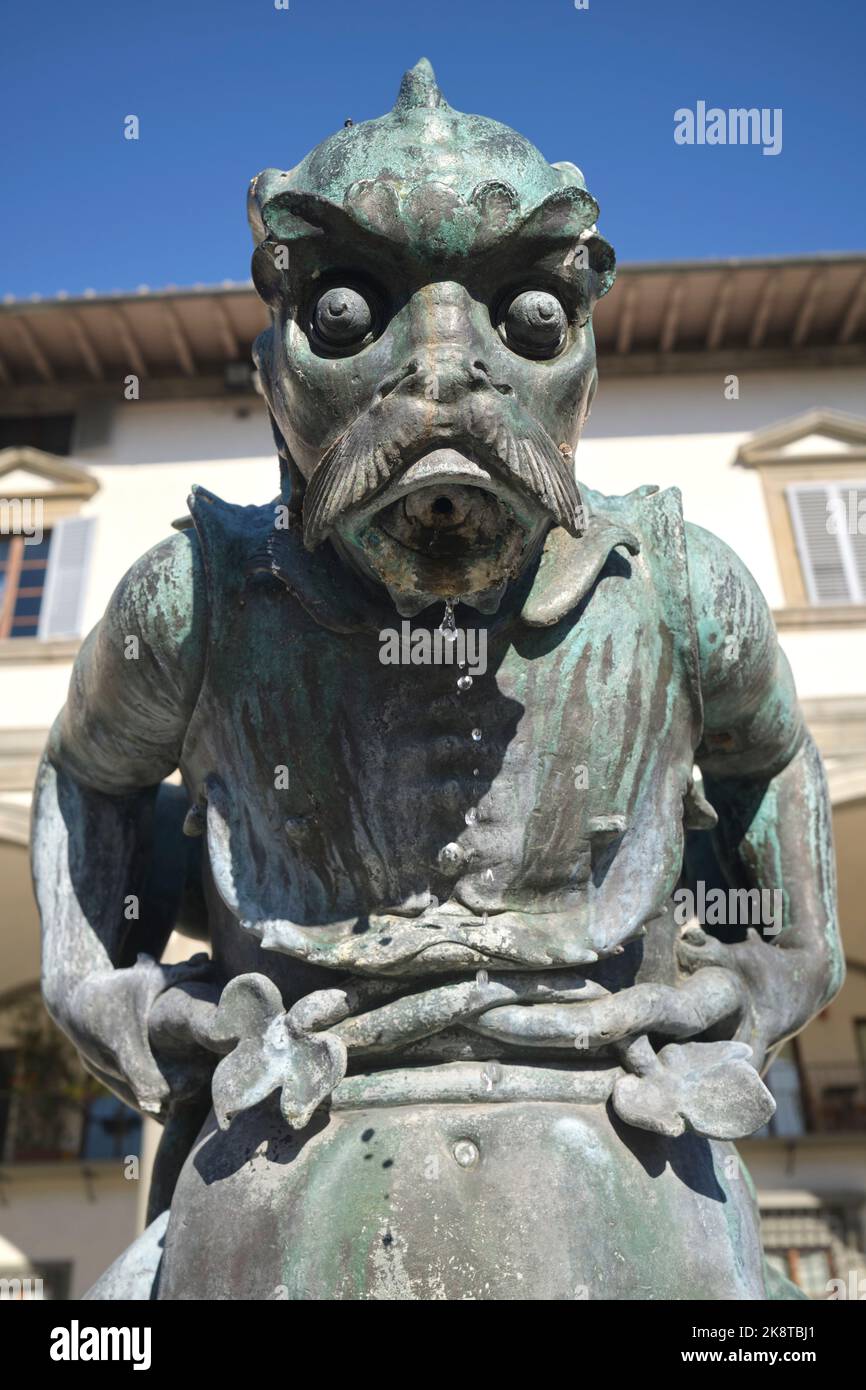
x=489 y=427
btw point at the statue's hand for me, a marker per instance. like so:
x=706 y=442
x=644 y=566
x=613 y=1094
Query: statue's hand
x=127 y=1024
x=181 y=1018
x=684 y=1011
x=768 y=981
x=180 y=1027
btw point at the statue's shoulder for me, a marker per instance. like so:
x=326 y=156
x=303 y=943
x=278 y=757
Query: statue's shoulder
x=697 y=569
x=261 y=543
x=732 y=616
x=161 y=595
x=644 y=522
x=226 y=528
x=235 y=540
x=652 y=513
x=723 y=589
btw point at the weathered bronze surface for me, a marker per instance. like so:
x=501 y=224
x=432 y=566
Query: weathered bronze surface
x=458 y=1036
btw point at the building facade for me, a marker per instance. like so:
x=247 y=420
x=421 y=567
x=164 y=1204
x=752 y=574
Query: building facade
x=741 y=383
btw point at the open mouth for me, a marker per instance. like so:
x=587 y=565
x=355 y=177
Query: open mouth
x=447 y=527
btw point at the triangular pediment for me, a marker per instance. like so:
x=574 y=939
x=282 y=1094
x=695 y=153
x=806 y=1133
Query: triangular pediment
x=28 y=472
x=812 y=437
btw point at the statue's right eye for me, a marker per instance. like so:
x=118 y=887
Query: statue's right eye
x=342 y=319
x=534 y=324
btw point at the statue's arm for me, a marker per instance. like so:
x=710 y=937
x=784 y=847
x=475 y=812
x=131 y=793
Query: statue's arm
x=763 y=775
x=132 y=692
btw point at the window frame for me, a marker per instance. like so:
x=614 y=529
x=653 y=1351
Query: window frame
x=821 y=446
x=62 y=488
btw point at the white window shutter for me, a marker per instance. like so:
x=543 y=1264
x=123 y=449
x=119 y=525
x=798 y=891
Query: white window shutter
x=858 y=536
x=832 y=559
x=66 y=577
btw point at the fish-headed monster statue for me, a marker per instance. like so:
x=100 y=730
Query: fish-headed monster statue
x=460 y=742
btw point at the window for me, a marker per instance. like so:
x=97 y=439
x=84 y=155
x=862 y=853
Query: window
x=784 y=1082
x=812 y=472
x=22 y=584
x=51 y=433
x=829 y=521
x=45 y=547
x=55 y=1280
x=812 y=1245
x=43 y=579
x=51 y=1110
x=111 y=1129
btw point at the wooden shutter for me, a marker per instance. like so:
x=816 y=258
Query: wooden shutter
x=829 y=521
x=66 y=577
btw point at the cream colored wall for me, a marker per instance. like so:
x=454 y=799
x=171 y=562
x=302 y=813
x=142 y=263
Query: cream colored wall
x=145 y=472
x=825 y=1166
x=830 y=1039
x=32 y=693
x=19 y=922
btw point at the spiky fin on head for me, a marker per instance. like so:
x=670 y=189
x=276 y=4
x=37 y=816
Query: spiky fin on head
x=419 y=88
x=443 y=182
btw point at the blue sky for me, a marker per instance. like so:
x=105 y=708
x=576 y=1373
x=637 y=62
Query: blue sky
x=224 y=88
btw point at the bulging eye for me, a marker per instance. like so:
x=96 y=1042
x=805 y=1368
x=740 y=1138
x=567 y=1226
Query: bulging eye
x=342 y=318
x=534 y=324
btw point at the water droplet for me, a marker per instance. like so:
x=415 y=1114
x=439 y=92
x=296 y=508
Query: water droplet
x=482 y=977
x=464 y=682
x=491 y=1075
x=476 y=735
x=484 y=920
x=475 y=772
x=471 y=816
x=448 y=627
x=488 y=875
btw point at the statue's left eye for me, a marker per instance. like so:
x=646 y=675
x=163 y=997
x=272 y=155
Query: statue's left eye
x=534 y=324
x=342 y=318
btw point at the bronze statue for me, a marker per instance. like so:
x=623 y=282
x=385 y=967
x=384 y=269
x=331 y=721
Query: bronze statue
x=460 y=1034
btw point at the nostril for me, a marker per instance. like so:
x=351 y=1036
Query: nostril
x=479 y=376
x=393 y=381
x=443 y=505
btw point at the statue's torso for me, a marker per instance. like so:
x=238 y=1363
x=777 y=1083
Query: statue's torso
x=551 y=789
